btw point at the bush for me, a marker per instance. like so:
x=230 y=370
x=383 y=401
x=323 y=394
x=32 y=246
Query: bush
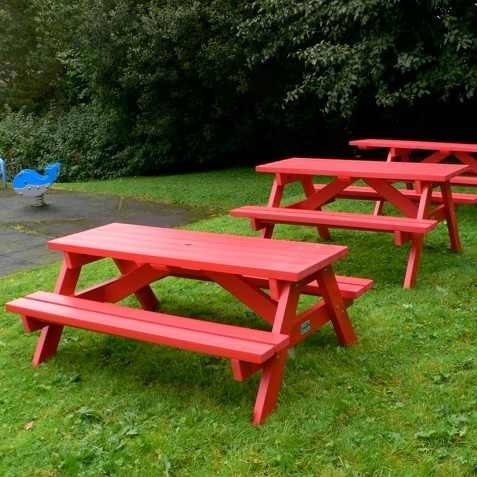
x=80 y=139
x=19 y=141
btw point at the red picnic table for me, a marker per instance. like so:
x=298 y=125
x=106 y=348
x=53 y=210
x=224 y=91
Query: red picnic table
x=418 y=211
x=269 y=277
x=438 y=152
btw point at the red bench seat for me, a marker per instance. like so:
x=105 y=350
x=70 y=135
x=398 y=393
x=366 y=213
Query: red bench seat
x=262 y=216
x=463 y=180
x=365 y=192
x=41 y=309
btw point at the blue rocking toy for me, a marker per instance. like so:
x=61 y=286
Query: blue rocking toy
x=30 y=183
x=3 y=172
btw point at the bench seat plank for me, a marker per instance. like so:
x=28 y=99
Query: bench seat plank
x=365 y=192
x=411 y=144
x=464 y=180
x=352 y=287
x=349 y=287
x=262 y=215
x=234 y=342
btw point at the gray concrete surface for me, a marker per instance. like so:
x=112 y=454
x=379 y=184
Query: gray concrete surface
x=25 y=229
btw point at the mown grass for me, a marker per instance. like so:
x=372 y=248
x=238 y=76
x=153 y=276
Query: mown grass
x=402 y=402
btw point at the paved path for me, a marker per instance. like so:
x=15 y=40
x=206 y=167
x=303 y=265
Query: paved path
x=25 y=229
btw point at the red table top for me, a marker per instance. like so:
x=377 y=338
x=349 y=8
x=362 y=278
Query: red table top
x=405 y=144
x=241 y=255
x=405 y=171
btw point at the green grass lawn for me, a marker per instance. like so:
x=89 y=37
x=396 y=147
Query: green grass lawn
x=402 y=402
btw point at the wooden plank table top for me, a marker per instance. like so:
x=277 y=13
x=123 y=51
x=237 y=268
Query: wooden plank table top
x=204 y=251
x=410 y=145
x=396 y=171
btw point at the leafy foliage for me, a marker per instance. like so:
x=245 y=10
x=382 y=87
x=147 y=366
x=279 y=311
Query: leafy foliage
x=29 y=69
x=180 y=85
x=400 y=51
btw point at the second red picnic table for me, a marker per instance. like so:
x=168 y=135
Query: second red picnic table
x=418 y=212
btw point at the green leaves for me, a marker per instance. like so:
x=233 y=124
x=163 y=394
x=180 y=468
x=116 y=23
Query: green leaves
x=352 y=51
x=173 y=85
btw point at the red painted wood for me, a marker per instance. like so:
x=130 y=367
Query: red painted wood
x=450 y=216
x=379 y=176
x=339 y=314
x=464 y=181
x=282 y=215
x=229 y=341
x=350 y=287
x=405 y=144
x=48 y=344
x=242 y=370
x=394 y=171
x=438 y=152
x=405 y=228
x=249 y=256
x=269 y=387
x=244 y=266
x=364 y=192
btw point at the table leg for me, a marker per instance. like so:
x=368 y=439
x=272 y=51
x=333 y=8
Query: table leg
x=276 y=193
x=392 y=156
x=270 y=381
x=309 y=190
x=417 y=242
x=67 y=279
x=448 y=207
x=450 y=214
x=336 y=306
x=274 y=200
x=269 y=387
x=284 y=321
x=50 y=335
x=48 y=344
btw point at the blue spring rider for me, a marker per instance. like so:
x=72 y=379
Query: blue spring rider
x=3 y=172
x=30 y=183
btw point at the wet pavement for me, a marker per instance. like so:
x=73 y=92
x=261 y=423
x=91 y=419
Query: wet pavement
x=25 y=228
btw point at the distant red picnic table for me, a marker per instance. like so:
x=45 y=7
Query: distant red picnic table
x=438 y=152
